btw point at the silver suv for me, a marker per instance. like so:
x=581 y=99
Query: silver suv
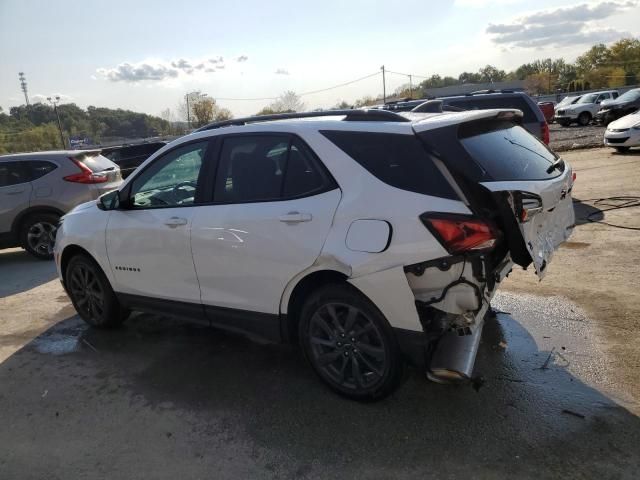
x=36 y=189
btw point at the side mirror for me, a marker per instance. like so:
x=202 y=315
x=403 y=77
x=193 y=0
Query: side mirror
x=110 y=200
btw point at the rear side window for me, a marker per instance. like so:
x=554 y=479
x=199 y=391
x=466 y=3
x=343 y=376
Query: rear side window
x=40 y=168
x=13 y=173
x=255 y=168
x=95 y=163
x=397 y=160
x=472 y=103
x=505 y=151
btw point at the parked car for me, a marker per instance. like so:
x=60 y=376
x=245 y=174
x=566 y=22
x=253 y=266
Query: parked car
x=583 y=111
x=566 y=101
x=625 y=104
x=534 y=120
x=624 y=133
x=130 y=157
x=36 y=189
x=367 y=237
x=548 y=110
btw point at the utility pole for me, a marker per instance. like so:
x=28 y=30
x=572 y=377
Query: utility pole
x=410 y=88
x=54 y=102
x=188 y=112
x=23 y=86
x=384 y=86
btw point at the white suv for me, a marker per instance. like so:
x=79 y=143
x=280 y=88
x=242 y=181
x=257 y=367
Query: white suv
x=368 y=237
x=584 y=109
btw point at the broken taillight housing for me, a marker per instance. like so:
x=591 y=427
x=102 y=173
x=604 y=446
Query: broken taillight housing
x=461 y=233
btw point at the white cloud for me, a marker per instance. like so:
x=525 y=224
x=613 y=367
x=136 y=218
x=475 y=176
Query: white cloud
x=41 y=98
x=565 y=26
x=163 y=70
x=281 y=71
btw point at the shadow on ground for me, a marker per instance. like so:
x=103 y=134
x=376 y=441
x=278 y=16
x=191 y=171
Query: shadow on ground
x=160 y=399
x=20 y=272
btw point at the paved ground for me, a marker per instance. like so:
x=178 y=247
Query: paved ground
x=160 y=399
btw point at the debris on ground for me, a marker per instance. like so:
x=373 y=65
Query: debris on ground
x=571 y=412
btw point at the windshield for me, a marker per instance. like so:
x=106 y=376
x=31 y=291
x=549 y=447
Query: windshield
x=630 y=96
x=591 y=98
x=567 y=101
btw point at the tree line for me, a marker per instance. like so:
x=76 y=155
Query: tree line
x=34 y=127
x=599 y=67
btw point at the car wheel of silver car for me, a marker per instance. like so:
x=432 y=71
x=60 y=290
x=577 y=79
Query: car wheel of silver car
x=584 y=118
x=350 y=344
x=38 y=235
x=91 y=293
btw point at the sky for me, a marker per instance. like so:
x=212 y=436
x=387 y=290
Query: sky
x=145 y=55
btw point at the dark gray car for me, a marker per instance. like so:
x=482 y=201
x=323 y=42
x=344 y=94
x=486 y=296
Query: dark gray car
x=36 y=189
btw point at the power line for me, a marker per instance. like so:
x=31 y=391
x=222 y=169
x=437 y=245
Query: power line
x=311 y=92
x=407 y=74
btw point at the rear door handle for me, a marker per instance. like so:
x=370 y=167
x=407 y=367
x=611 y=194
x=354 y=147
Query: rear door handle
x=15 y=192
x=175 y=221
x=295 y=217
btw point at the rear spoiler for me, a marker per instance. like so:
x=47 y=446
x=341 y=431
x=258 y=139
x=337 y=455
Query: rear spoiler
x=82 y=153
x=422 y=123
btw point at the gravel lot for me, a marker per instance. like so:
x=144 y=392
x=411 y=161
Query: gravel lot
x=575 y=137
x=161 y=399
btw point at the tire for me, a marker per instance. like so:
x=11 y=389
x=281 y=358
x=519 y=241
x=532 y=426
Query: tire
x=92 y=295
x=622 y=149
x=564 y=123
x=38 y=234
x=360 y=361
x=584 y=119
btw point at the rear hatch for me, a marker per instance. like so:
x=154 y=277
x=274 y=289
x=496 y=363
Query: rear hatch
x=509 y=177
x=96 y=171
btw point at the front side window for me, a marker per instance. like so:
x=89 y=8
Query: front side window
x=254 y=168
x=171 y=180
x=13 y=173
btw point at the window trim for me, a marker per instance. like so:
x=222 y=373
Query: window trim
x=126 y=191
x=329 y=183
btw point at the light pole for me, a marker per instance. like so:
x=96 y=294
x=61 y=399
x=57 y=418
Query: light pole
x=384 y=86
x=55 y=102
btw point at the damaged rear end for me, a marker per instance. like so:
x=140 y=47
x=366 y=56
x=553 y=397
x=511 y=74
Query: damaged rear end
x=519 y=193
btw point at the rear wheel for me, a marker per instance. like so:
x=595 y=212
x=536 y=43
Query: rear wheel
x=622 y=149
x=350 y=344
x=91 y=293
x=584 y=118
x=38 y=234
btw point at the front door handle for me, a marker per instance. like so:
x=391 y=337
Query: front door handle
x=295 y=217
x=173 y=222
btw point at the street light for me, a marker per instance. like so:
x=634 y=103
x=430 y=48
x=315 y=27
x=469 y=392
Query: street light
x=55 y=102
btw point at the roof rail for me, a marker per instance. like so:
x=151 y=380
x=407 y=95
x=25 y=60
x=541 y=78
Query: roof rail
x=366 y=115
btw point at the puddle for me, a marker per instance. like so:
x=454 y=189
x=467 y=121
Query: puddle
x=61 y=341
x=56 y=344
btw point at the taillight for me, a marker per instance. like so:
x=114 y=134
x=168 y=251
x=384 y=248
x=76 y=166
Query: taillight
x=461 y=233
x=86 y=175
x=545 y=132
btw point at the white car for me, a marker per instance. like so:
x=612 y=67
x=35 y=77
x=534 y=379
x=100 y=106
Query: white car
x=624 y=133
x=369 y=238
x=583 y=110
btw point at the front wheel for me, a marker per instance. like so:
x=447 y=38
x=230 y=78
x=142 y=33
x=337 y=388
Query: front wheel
x=584 y=119
x=91 y=293
x=350 y=344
